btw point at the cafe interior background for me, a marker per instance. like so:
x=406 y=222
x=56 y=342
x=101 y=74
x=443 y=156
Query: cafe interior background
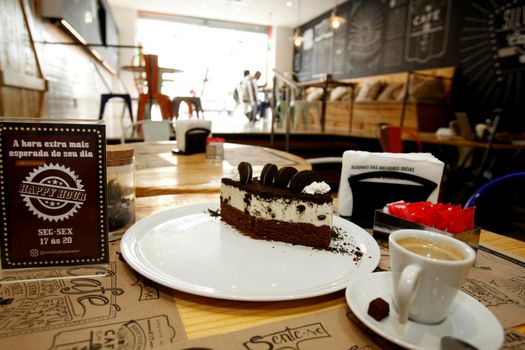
x=58 y=57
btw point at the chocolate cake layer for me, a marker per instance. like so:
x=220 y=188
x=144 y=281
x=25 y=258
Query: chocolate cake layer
x=290 y=232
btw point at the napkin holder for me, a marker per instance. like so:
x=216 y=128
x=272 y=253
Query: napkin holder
x=384 y=224
x=192 y=137
x=371 y=195
x=196 y=140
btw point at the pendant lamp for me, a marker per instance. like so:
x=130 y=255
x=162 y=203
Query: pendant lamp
x=335 y=22
x=297 y=38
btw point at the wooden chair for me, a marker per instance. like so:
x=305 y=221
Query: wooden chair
x=390 y=137
x=153 y=94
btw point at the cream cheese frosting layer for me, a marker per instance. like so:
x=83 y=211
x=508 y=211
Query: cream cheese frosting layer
x=281 y=209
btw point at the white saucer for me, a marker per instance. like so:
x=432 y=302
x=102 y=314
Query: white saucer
x=468 y=320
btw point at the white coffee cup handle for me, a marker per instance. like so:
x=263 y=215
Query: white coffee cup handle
x=407 y=287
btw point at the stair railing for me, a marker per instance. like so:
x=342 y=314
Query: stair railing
x=285 y=91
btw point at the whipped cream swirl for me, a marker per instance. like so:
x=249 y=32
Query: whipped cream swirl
x=317 y=188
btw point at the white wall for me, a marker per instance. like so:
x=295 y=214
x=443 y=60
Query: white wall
x=126 y=19
x=283 y=49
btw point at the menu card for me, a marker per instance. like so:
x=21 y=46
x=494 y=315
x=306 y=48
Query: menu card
x=52 y=184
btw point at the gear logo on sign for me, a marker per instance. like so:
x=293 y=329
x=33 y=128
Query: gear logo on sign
x=52 y=192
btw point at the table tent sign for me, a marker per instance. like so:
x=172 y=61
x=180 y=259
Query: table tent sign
x=52 y=184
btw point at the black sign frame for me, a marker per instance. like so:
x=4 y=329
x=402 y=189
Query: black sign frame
x=53 y=194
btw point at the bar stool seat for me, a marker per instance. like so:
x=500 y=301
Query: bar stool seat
x=194 y=104
x=104 y=98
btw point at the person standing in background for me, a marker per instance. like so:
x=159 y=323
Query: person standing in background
x=249 y=95
x=238 y=92
x=261 y=105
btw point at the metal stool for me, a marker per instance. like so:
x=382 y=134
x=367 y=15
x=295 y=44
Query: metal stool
x=104 y=98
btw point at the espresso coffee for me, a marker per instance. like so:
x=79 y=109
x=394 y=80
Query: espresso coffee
x=430 y=249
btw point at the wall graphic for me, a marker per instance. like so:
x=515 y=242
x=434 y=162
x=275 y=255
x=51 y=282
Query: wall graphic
x=492 y=51
x=380 y=36
x=395 y=34
x=427 y=30
x=323 y=38
x=365 y=35
x=339 y=64
x=483 y=39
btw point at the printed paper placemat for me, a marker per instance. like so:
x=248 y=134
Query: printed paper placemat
x=90 y=307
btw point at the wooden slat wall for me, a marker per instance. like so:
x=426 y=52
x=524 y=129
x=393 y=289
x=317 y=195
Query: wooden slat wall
x=368 y=115
x=74 y=87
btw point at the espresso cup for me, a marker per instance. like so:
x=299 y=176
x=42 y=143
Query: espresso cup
x=428 y=269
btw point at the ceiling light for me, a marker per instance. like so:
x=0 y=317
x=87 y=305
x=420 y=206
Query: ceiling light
x=335 y=22
x=297 y=38
x=288 y=4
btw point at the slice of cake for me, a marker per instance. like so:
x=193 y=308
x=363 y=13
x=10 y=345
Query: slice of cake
x=282 y=205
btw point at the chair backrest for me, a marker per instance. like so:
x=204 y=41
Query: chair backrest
x=152 y=73
x=390 y=137
x=152 y=130
x=500 y=205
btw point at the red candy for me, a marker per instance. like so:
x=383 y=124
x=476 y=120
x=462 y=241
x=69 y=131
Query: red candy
x=445 y=217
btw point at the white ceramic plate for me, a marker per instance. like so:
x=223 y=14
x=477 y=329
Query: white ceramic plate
x=189 y=250
x=468 y=320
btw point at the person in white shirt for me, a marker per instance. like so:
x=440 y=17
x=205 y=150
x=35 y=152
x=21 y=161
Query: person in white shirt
x=249 y=95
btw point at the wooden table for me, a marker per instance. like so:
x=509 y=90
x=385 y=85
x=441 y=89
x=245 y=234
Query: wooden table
x=159 y=171
x=114 y=303
x=461 y=142
x=142 y=69
x=431 y=138
x=206 y=316
x=140 y=75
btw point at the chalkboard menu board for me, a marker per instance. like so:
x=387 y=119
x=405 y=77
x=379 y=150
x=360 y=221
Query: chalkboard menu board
x=492 y=55
x=379 y=37
x=483 y=39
